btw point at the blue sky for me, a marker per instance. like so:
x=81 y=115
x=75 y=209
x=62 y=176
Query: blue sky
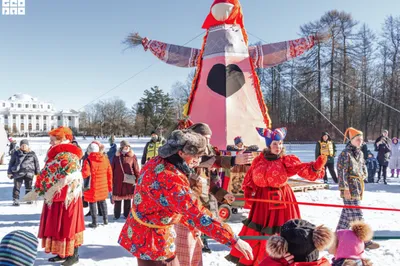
x=69 y=52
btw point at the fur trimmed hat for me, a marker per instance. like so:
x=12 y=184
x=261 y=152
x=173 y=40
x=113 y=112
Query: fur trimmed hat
x=300 y=238
x=351 y=243
x=201 y=128
x=185 y=140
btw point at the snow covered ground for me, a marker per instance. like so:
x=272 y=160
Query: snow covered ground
x=101 y=246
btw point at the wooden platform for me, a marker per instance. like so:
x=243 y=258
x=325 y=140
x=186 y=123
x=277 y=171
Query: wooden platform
x=304 y=186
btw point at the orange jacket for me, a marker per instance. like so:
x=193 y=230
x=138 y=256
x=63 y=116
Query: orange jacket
x=101 y=177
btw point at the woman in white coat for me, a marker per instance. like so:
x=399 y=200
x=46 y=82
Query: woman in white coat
x=394 y=163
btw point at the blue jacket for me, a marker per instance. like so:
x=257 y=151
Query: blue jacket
x=372 y=163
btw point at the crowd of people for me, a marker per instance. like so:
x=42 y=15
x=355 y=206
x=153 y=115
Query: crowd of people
x=173 y=200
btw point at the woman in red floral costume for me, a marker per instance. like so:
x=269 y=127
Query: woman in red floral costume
x=163 y=198
x=60 y=182
x=267 y=179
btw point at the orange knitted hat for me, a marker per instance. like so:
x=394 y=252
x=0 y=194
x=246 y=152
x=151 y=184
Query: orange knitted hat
x=351 y=133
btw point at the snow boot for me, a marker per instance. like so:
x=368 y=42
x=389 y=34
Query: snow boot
x=93 y=212
x=372 y=245
x=56 y=259
x=206 y=248
x=15 y=202
x=72 y=259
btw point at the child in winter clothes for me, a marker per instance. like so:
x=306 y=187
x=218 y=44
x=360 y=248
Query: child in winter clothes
x=372 y=166
x=23 y=166
x=348 y=245
x=298 y=245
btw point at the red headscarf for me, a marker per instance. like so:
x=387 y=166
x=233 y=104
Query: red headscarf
x=236 y=16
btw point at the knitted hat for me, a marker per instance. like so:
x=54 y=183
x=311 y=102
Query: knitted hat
x=351 y=243
x=124 y=143
x=301 y=239
x=24 y=141
x=395 y=139
x=201 y=128
x=351 y=133
x=93 y=147
x=269 y=135
x=238 y=140
x=18 y=248
x=153 y=132
x=325 y=134
x=186 y=140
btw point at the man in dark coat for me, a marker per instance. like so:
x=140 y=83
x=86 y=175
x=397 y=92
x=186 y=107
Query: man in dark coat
x=23 y=166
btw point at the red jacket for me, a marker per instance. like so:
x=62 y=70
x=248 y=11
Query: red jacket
x=282 y=262
x=100 y=173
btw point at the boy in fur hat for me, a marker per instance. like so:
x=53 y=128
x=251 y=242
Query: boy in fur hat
x=348 y=245
x=298 y=245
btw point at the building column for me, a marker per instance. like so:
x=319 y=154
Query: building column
x=18 y=123
x=41 y=122
x=26 y=123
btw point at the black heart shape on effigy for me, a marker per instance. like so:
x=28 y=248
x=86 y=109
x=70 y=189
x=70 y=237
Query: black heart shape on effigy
x=225 y=80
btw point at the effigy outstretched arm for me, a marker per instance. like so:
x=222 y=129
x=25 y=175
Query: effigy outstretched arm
x=172 y=54
x=272 y=54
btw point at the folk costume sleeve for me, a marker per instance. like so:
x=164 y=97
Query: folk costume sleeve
x=180 y=199
x=310 y=171
x=272 y=54
x=172 y=54
x=343 y=165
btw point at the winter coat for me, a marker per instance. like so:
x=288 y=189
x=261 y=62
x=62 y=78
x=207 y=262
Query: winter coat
x=394 y=162
x=351 y=171
x=372 y=164
x=100 y=172
x=331 y=147
x=364 y=149
x=13 y=147
x=111 y=152
x=282 y=262
x=383 y=154
x=151 y=149
x=23 y=164
x=162 y=199
x=121 y=190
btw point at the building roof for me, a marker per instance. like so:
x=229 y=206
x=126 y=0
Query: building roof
x=22 y=97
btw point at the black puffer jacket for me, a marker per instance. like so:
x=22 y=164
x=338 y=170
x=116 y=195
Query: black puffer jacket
x=23 y=164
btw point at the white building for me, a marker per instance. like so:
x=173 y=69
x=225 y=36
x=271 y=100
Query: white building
x=22 y=113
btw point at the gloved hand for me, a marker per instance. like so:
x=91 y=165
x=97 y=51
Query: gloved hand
x=320 y=162
x=111 y=198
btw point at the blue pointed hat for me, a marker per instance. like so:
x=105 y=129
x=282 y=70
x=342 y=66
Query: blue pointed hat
x=271 y=135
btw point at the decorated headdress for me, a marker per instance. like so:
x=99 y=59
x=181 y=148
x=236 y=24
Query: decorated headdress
x=238 y=140
x=62 y=133
x=269 y=135
x=351 y=133
x=236 y=16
